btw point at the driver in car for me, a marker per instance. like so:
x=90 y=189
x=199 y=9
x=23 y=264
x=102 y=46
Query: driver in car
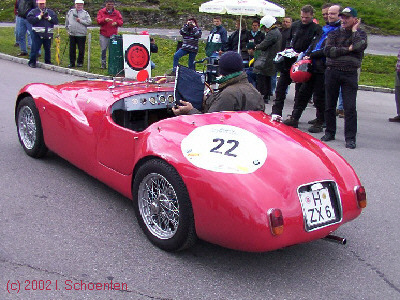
x=235 y=93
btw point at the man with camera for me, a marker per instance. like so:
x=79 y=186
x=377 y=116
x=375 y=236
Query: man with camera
x=76 y=22
x=191 y=34
x=43 y=20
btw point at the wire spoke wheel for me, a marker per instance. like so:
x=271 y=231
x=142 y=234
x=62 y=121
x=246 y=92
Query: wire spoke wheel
x=27 y=127
x=158 y=206
x=163 y=207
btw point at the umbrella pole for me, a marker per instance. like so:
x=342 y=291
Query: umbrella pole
x=240 y=31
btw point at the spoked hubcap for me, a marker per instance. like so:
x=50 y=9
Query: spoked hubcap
x=158 y=206
x=27 y=127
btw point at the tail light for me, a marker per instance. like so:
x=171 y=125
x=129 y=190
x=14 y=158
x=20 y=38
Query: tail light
x=361 y=196
x=275 y=221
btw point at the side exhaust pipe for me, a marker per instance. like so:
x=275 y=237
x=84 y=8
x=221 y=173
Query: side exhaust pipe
x=337 y=239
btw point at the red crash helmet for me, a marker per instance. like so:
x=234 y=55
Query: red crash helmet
x=301 y=71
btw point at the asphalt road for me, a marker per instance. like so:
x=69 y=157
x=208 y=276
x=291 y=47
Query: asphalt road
x=59 y=226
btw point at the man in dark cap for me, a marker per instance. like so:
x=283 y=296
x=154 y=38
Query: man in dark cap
x=235 y=93
x=344 y=52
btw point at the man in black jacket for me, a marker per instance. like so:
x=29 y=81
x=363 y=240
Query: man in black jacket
x=256 y=34
x=23 y=8
x=316 y=85
x=285 y=31
x=301 y=35
x=344 y=52
x=245 y=37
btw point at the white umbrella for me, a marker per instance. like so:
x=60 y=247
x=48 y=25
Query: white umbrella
x=242 y=8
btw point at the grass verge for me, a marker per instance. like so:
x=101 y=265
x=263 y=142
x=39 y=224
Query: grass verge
x=376 y=70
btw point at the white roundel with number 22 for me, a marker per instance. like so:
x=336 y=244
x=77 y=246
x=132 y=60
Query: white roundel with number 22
x=225 y=149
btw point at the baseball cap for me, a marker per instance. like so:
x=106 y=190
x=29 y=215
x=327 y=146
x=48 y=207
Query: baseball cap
x=79 y=2
x=40 y=1
x=349 y=11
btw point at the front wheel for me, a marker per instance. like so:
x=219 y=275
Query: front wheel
x=163 y=207
x=29 y=128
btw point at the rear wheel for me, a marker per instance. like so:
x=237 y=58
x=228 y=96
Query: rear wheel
x=29 y=128
x=163 y=207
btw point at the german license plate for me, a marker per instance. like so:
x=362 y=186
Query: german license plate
x=320 y=204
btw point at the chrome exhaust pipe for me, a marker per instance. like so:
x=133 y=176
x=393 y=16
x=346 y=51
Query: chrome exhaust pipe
x=337 y=239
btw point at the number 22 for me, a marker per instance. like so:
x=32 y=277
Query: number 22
x=221 y=143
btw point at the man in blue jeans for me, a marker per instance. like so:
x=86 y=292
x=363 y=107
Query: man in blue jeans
x=43 y=21
x=191 y=34
x=344 y=51
x=397 y=91
x=23 y=27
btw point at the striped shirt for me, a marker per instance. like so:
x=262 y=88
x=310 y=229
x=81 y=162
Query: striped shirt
x=191 y=36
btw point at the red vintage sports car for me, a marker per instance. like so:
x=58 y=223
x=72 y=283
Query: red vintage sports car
x=237 y=179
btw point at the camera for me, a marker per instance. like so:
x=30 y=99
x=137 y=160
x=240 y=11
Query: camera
x=45 y=15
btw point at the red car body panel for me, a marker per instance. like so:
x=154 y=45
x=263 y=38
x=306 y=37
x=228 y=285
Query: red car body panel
x=229 y=209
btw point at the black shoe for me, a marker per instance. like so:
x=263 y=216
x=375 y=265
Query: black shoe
x=71 y=66
x=351 y=144
x=22 y=54
x=32 y=65
x=395 y=119
x=313 y=121
x=315 y=128
x=291 y=122
x=328 y=137
x=79 y=65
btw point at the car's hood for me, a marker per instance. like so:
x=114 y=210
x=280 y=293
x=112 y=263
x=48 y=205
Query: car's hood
x=119 y=89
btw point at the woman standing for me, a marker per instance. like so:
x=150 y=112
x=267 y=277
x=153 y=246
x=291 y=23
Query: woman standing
x=191 y=34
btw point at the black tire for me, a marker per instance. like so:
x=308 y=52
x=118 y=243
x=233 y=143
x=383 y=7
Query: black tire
x=29 y=128
x=172 y=196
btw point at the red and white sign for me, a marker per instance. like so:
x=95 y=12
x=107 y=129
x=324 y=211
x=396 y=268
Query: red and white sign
x=136 y=49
